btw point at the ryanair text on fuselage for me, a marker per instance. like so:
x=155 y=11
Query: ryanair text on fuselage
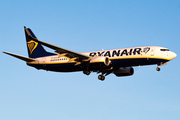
x=117 y=53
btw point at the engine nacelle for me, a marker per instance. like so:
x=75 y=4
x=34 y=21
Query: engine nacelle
x=105 y=60
x=124 y=71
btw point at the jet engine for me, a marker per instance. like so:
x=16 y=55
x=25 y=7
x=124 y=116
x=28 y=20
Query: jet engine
x=105 y=60
x=124 y=71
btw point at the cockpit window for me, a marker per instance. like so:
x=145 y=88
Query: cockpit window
x=164 y=49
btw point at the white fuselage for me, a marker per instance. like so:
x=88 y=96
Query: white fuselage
x=124 y=53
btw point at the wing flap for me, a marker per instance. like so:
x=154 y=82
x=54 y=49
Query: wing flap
x=20 y=57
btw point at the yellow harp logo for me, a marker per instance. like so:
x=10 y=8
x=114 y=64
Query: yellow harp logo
x=32 y=45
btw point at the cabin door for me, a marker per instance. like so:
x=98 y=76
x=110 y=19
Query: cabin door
x=152 y=51
x=44 y=62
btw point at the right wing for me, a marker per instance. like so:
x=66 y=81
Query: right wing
x=63 y=52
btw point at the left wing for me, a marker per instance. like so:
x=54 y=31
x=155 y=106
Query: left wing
x=63 y=52
x=20 y=57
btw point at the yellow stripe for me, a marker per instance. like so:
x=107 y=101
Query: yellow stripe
x=27 y=31
x=140 y=57
x=53 y=63
x=103 y=61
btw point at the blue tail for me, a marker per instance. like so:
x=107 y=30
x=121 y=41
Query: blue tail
x=35 y=49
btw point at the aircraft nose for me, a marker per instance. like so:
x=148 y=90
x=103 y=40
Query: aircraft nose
x=173 y=55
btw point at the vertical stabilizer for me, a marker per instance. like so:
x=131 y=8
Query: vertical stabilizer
x=35 y=49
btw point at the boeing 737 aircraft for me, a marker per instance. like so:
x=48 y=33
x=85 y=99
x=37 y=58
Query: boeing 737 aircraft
x=117 y=61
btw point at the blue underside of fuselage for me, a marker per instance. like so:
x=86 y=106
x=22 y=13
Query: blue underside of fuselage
x=116 y=63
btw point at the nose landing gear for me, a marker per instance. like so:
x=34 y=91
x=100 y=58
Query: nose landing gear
x=158 y=69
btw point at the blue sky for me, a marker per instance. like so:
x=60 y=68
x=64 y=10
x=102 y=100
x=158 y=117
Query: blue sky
x=82 y=26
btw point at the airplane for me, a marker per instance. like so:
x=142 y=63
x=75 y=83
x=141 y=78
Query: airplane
x=117 y=61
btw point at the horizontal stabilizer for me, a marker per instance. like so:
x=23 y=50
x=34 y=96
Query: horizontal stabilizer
x=20 y=57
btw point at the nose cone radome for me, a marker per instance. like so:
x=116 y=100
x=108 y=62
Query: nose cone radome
x=172 y=55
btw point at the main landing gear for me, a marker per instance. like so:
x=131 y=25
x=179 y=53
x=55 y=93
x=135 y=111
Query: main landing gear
x=101 y=77
x=86 y=72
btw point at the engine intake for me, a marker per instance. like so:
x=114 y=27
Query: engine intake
x=105 y=60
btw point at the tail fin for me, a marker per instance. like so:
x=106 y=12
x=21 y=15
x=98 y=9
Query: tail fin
x=35 y=49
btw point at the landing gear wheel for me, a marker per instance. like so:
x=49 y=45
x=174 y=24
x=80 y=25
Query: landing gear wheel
x=158 y=69
x=101 y=77
x=86 y=72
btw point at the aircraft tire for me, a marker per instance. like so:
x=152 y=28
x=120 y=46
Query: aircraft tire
x=101 y=77
x=158 y=69
x=86 y=72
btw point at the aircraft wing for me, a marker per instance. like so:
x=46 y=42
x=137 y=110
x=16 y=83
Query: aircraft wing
x=20 y=57
x=63 y=52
